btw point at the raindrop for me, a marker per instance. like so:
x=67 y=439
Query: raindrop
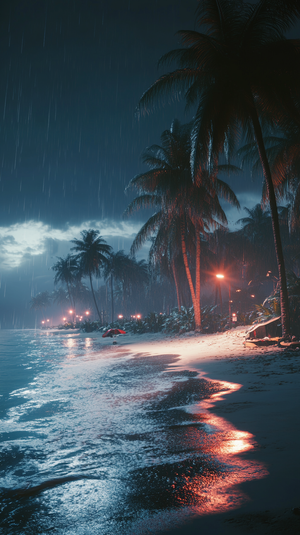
x=5 y=100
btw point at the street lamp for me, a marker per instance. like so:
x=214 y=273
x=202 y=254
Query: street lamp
x=220 y=276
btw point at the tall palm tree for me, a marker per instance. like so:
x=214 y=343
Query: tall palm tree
x=93 y=253
x=67 y=273
x=183 y=202
x=240 y=73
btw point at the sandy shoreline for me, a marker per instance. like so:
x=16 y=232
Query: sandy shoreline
x=266 y=405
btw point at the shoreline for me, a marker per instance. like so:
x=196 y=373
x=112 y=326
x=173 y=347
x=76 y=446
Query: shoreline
x=267 y=405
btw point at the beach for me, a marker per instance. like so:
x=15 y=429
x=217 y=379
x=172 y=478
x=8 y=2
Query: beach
x=157 y=434
x=267 y=405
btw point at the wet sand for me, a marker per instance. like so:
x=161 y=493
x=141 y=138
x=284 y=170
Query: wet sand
x=267 y=405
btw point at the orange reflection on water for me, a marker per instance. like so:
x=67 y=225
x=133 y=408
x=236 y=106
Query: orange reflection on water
x=224 y=443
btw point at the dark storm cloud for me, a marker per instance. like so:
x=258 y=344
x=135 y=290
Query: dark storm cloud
x=72 y=73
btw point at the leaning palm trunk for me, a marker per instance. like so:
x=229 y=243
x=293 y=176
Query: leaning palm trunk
x=176 y=285
x=284 y=300
x=93 y=294
x=196 y=302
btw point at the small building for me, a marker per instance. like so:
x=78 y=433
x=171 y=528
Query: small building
x=266 y=329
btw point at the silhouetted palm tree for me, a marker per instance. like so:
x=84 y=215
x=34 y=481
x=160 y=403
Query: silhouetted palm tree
x=93 y=253
x=183 y=201
x=115 y=268
x=241 y=73
x=67 y=273
x=41 y=301
x=60 y=297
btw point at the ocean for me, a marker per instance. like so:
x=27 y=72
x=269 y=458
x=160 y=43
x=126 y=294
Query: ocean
x=97 y=439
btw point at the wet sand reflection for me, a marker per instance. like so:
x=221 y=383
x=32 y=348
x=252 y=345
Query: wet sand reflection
x=208 y=481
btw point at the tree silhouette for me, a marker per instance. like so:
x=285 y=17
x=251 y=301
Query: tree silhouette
x=185 y=202
x=93 y=253
x=241 y=74
x=67 y=273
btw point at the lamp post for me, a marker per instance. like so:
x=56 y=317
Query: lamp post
x=220 y=276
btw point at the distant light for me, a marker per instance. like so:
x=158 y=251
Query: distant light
x=138 y=316
x=70 y=311
x=234 y=314
x=43 y=322
x=64 y=319
x=87 y=312
x=220 y=276
x=252 y=295
x=48 y=320
x=238 y=290
x=120 y=316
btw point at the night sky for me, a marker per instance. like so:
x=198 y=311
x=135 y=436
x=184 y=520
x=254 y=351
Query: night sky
x=72 y=73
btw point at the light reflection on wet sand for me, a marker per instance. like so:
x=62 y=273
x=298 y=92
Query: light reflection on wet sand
x=211 y=493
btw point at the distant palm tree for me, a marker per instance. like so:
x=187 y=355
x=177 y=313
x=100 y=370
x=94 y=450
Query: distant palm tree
x=67 y=273
x=93 y=254
x=41 y=301
x=60 y=297
x=114 y=269
x=240 y=73
x=126 y=271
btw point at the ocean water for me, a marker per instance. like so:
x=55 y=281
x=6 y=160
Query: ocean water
x=96 y=439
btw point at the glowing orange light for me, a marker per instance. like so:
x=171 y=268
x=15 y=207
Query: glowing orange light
x=70 y=311
x=64 y=319
x=238 y=290
x=120 y=316
x=43 y=322
x=220 y=276
x=139 y=316
x=252 y=295
x=87 y=312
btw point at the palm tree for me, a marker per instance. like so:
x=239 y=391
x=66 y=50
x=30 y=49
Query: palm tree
x=241 y=74
x=115 y=268
x=60 y=297
x=67 y=273
x=184 y=202
x=93 y=253
x=128 y=272
x=41 y=301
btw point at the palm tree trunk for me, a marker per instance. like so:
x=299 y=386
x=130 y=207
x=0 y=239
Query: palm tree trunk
x=284 y=300
x=176 y=285
x=112 y=296
x=94 y=297
x=198 y=282
x=189 y=278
